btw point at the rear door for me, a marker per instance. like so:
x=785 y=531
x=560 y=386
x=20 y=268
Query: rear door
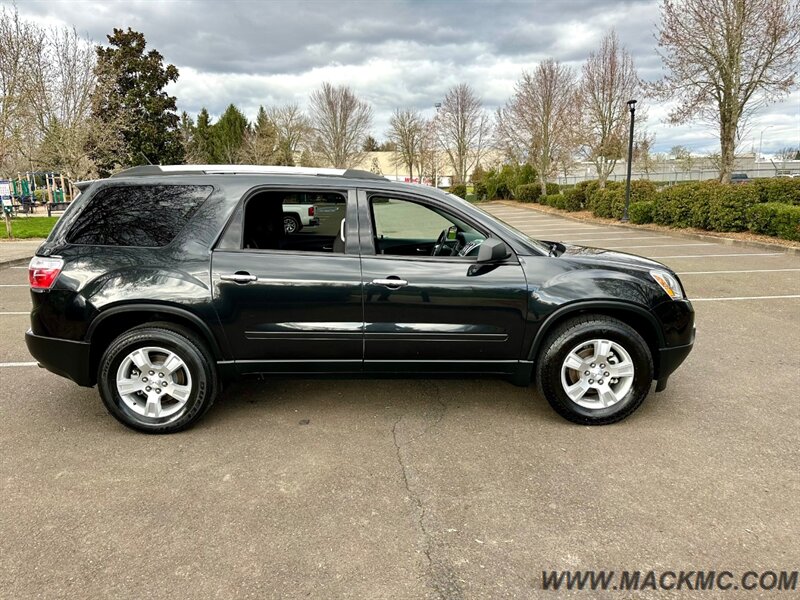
x=291 y=302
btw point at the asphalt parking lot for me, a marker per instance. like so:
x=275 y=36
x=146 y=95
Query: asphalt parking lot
x=419 y=489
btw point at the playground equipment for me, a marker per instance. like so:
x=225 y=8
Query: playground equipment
x=52 y=190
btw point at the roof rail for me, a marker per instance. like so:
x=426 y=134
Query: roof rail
x=145 y=170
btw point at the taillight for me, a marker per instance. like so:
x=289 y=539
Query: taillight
x=43 y=270
x=310 y=211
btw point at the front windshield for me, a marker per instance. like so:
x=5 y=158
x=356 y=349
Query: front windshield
x=540 y=246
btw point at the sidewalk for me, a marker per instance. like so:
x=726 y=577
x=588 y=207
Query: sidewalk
x=17 y=251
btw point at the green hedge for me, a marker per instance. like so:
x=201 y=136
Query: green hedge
x=573 y=199
x=528 y=192
x=728 y=206
x=641 y=212
x=778 y=189
x=459 y=190
x=775 y=218
x=767 y=206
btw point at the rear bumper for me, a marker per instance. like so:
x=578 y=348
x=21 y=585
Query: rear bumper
x=67 y=358
x=670 y=359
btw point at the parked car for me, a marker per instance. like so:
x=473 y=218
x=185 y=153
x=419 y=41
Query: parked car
x=159 y=283
x=739 y=178
x=297 y=216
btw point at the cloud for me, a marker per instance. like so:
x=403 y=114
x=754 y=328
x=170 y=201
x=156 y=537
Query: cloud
x=395 y=54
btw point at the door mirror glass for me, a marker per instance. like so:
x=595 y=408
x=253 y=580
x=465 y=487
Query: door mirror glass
x=492 y=250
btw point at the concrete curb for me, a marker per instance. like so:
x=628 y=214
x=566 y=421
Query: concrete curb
x=13 y=262
x=678 y=232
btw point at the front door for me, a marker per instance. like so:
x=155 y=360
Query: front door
x=290 y=298
x=428 y=305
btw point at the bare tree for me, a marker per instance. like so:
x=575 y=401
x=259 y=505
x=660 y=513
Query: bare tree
x=260 y=145
x=61 y=82
x=19 y=42
x=788 y=153
x=537 y=124
x=643 y=157
x=726 y=59
x=463 y=129
x=683 y=157
x=406 y=130
x=293 y=130
x=341 y=121
x=609 y=81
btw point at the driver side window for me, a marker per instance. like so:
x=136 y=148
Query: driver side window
x=406 y=228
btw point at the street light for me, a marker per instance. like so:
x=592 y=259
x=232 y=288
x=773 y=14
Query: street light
x=437 y=106
x=632 y=108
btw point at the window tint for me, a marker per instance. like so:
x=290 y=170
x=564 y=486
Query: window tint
x=138 y=215
x=296 y=221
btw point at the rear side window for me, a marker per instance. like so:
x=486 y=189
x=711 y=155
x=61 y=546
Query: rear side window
x=137 y=215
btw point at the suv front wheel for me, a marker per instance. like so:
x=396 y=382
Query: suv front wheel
x=594 y=370
x=157 y=378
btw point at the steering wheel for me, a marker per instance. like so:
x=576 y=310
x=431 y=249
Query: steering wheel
x=445 y=247
x=470 y=248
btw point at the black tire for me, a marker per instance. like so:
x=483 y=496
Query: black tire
x=291 y=224
x=570 y=334
x=196 y=357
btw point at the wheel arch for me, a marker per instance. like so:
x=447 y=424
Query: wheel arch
x=112 y=321
x=634 y=315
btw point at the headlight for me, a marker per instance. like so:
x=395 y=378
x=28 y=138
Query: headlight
x=669 y=283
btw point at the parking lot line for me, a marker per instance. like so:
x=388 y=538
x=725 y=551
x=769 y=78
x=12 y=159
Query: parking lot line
x=15 y=313
x=664 y=245
x=14 y=285
x=18 y=364
x=724 y=299
x=721 y=255
x=612 y=239
x=746 y=271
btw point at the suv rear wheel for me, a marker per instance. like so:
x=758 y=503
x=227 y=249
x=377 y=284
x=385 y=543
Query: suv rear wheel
x=594 y=370
x=157 y=378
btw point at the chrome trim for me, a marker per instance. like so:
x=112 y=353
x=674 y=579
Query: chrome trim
x=239 y=278
x=390 y=283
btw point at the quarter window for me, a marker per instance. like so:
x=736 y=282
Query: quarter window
x=137 y=215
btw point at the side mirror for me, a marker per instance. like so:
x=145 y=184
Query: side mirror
x=492 y=250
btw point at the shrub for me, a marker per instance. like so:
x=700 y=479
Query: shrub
x=528 y=192
x=778 y=189
x=728 y=206
x=573 y=199
x=553 y=188
x=503 y=184
x=641 y=212
x=459 y=189
x=554 y=200
x=674 y=206
x=608 y=202
x=480 y=191
x=775 y=218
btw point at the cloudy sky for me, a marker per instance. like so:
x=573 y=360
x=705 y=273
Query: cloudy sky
x=395 y=54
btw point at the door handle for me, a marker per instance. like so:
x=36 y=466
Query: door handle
x=391 y=282
x=239 y=277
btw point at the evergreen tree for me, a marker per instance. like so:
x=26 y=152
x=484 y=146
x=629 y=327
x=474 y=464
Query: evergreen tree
x=130 y=94
x=228 y=135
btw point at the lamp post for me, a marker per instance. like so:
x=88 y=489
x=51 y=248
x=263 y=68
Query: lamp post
x=632 y=108
x=438 y=105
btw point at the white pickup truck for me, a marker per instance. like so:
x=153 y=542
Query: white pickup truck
x=297 y=216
